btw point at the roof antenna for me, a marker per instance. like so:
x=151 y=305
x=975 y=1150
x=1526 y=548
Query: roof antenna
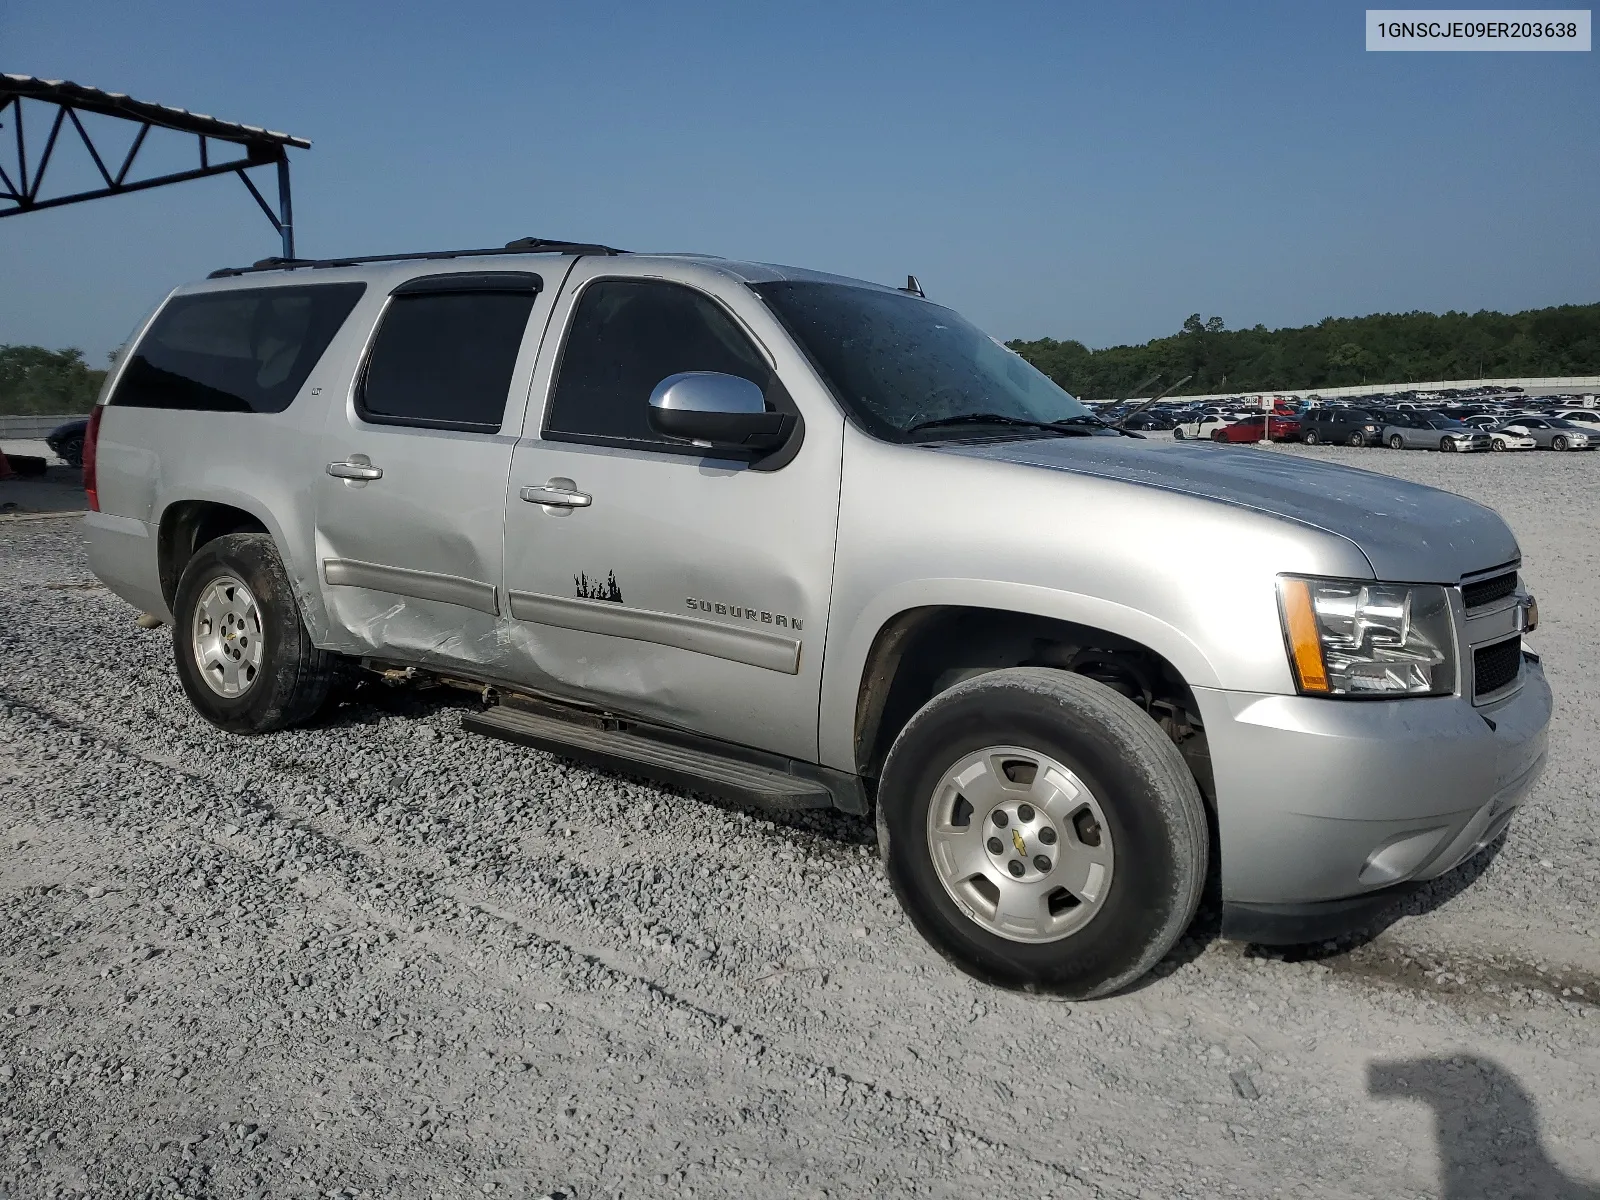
x=913 y=287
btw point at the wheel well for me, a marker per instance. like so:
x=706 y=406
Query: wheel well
x=190 y=524
x=924 y=651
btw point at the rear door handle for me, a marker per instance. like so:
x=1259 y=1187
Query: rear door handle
x=354 y=470
x=558 y=493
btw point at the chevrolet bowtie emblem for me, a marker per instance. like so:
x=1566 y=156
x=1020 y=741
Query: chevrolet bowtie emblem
x=1016 y=840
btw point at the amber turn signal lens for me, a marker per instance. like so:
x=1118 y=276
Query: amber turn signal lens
x=1305 y=647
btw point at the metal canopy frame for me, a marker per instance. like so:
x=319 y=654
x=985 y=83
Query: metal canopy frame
x=20 y=192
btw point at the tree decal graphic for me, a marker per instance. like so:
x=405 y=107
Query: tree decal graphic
x=593 y=589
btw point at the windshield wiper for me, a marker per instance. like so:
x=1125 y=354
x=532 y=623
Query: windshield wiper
x=995 y=419
x=1077 y=425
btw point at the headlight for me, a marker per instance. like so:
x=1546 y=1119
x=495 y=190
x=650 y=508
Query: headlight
x=1349 y=638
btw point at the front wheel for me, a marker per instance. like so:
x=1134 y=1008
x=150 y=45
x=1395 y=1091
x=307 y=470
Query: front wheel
x=1497 y=444
x=1041 y=831
x=1396 y=442
x=1177 y=435
x=243 y=654
x=1558 y=442
x=1358 y=439
x=1446 y=445
x=72 y=450
x=1216 y=435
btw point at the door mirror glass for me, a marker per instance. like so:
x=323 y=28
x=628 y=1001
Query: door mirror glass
x=713 y=410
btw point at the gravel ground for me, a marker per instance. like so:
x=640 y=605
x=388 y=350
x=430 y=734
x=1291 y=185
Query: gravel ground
x=379 y=957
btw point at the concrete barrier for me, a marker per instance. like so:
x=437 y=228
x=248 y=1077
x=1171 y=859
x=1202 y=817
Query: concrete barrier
x=33 y=426
x=1572 y=383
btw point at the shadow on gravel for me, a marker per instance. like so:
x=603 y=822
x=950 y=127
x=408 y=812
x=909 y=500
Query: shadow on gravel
x=367 y=702
x=1487 y=1129
x=1431 y=895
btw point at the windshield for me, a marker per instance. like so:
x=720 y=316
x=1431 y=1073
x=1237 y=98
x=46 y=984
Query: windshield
x=896 y=362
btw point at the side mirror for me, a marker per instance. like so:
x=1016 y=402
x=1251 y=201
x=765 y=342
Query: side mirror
x=716 y=412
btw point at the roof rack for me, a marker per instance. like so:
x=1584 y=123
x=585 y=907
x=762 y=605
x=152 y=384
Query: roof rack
x=527 y=245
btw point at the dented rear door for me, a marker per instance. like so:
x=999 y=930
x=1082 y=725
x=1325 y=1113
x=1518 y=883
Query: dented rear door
x=410 y=499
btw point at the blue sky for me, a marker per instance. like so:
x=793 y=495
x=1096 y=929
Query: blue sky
x=1096 y=171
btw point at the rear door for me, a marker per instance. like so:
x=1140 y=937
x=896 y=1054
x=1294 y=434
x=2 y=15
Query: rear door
x=411 y=493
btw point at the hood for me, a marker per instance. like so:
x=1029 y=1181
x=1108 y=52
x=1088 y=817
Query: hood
x=1408 y=532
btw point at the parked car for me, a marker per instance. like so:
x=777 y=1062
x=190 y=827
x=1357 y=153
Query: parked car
x=67 y=441
x=1425 y=431
x=1587 y=417
x=1282 y=429
x=1511 y=437
x=628 y=501
x=1199 y=427
x=1552 y=433
x=1342 y=426
x=1487 y=421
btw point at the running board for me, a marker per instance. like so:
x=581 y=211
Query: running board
x=601 y=743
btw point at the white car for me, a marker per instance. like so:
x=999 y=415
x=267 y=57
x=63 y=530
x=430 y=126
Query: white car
x=1201 y=428
x=1511 y=437
x=1582 y=416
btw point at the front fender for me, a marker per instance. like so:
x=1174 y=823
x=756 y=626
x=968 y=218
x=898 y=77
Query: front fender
x=850 y=649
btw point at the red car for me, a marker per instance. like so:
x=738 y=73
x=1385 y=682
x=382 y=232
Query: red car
x=1283 y=429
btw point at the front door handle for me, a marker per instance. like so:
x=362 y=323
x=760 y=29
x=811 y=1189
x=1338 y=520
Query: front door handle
x=354 y=470
x=558 y=493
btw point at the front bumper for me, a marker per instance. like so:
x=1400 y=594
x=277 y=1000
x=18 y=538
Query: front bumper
x=1331 y=802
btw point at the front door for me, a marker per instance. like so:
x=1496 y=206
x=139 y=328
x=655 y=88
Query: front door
x=642 y=574
x=411 y=501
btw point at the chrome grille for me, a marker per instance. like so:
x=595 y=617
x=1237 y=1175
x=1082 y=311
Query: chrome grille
x=1487 y=591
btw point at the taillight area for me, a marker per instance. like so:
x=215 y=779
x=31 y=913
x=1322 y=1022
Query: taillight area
x=91 y=443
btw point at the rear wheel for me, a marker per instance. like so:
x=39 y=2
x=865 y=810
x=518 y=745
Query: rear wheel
x=72 y=450
x=243 y=654
x=1041 y=831
x=1216 y=435
x=1177 y=435
x=1558 y=442
x=1309 y=437
x=1396 y=442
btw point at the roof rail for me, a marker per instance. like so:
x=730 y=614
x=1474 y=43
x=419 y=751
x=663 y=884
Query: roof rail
x=527 y=245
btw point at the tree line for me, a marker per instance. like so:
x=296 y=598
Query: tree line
x=1384 y=348
x=36 y=380
x=1335 y=352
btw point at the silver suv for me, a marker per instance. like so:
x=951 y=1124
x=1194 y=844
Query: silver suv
x=806 y=541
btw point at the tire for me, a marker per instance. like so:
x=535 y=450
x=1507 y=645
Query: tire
x=1558 y=442
x=1177 y=435
x=1145 y=818
x=257 y=670
x=72 y=451
x=1497 y=444
x=1358 y=439
x=1216 y=435
x=1396 y=442
x=1309 y=437
x=1446 y=446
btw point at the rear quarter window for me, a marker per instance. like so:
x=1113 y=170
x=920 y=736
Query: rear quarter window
x=245 y=350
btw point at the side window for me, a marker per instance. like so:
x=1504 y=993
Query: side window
x=236 y=350
x=443 y=359
x=626 y=336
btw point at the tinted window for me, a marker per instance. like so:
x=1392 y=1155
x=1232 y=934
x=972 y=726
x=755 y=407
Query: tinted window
x=627 y=336
x=235 y=351
x=896 y=361
x=445 y=359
